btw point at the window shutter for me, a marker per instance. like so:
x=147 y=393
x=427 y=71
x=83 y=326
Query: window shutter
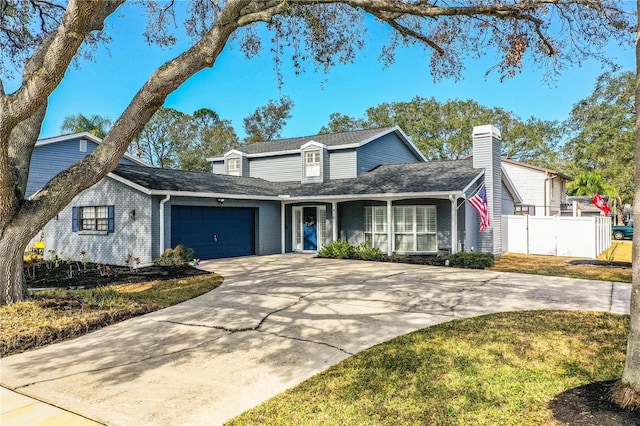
x=110 y=219
x=74 y=219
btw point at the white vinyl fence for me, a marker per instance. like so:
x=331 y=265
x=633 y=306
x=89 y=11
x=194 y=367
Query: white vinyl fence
x=556 y=235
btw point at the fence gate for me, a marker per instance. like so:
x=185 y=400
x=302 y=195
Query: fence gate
x=556 y=235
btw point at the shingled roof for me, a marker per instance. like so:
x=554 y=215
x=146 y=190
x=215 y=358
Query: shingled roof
x=183 y=181
x=329 y=139
x=423 y=177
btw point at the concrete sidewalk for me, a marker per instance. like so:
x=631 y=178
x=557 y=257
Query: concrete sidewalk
x=276 y=321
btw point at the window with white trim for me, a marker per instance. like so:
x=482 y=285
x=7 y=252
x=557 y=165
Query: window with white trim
x=233 y=166
x=375 y=227
x=312 y=164
x=415 y=229
x=94 y=218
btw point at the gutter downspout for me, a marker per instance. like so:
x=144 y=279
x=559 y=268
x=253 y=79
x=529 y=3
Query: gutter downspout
x=162 y=203
x=546 y=183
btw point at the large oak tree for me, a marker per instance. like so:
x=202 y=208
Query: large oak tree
x=49 y=35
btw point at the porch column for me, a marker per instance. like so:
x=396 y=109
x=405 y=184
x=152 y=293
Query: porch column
x=389 y=228
x=334 y=218
x=282 y=227
x=454 y=224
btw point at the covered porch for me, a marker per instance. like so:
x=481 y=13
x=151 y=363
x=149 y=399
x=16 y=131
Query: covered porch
x=424 y=223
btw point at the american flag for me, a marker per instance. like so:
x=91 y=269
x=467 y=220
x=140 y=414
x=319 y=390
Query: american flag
x=480 y=203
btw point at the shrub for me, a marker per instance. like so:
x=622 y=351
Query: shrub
x=339 y=249
x=365 y=252
x=176 y=256
x=471 y=260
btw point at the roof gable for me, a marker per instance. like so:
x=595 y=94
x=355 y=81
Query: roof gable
x=332 y=141
x=88 y=136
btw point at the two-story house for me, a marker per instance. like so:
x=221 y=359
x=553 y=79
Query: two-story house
x=294 y=195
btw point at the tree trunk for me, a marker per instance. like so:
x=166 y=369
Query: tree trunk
x=626 y=392
x=12 y=245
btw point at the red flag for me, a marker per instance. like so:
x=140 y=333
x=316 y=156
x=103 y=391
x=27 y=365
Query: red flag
x=480 y=203
x=601 y=203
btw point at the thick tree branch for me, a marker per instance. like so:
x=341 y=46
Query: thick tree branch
x=48 y=65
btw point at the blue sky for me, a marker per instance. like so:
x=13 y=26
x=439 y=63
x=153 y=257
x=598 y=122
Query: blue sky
x=236 y=86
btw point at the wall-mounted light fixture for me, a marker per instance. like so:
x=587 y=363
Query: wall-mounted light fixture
x=220 y=200
x=132 y=214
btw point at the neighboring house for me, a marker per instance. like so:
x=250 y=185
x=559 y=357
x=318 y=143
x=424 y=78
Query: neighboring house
x=542 y=191
x=581 y=206
x=293 y=195
x=53 y=155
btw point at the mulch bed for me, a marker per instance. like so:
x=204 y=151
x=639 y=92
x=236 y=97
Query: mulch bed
x=590 y=405
x=77 y=275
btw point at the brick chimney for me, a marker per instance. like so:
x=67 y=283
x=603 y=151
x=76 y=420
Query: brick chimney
x=487 y=149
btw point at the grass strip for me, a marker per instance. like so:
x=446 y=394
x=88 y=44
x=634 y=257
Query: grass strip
x=558 y=267
x=489 y=370
x=56 y=315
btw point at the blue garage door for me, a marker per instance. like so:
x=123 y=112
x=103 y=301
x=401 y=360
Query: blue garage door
x=214 y=232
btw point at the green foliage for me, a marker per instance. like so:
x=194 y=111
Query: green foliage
x=210 y=135
x=603 y=135
x=471 y=260
x=442 y=131
x=95 y=124
x=365 y=252
x=339 y=249
x=177 y=256
x=101 y=297
x=590 y=183
x=266 y=122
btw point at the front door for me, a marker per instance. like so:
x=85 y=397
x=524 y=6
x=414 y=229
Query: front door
x=310 y=228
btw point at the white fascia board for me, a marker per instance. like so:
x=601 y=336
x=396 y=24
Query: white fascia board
x=129 y=183
x=381 y=197
x=313 y=143
x=214 y=159
x=81 y=135
x=510 y=186
x=214 y=195
x=234 y=152
x=474 y=180
x=274 y=153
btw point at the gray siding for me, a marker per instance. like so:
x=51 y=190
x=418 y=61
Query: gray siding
x=267 y=218
x=388 y=149
x=351 y=220
x=508 y=206
x=50 y=159
x=217 y=167
x=130 y=236
x=285 y=168
x=487 y=149
x=342 y=164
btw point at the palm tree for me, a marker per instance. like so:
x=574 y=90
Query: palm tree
x=95 y=124
x=591 y=183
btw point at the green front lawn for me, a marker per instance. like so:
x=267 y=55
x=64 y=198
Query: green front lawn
x=500 y=369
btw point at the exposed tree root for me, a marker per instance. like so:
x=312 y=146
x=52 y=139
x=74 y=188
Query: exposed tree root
x=625 y=396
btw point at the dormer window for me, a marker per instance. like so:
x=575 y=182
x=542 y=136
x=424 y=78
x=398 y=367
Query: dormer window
x=233 y=166
x=312 y=164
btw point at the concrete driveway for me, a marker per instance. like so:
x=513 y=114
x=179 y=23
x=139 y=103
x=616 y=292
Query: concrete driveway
x=276 y=321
